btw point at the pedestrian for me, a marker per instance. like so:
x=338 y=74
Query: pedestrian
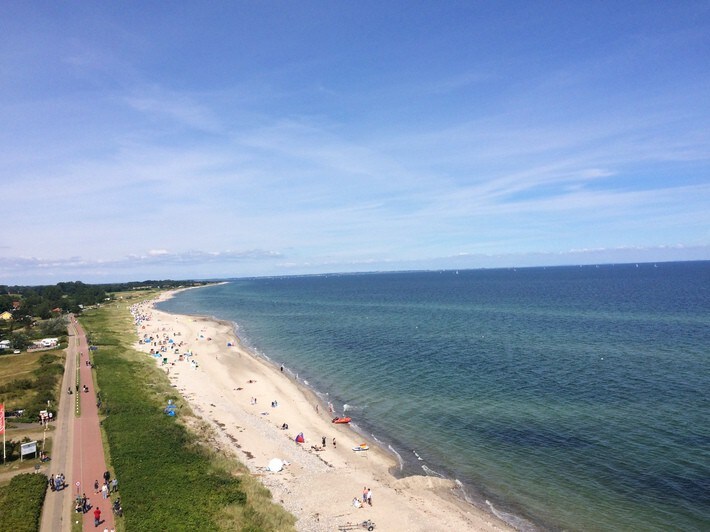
x=104 y=491
x=97 y=516
x=107 y=476
x=114 y=485
x=51 y=483
x=96 y=486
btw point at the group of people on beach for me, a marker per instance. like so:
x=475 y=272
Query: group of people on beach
x=366 y=498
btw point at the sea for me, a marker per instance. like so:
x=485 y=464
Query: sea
x=559 y=398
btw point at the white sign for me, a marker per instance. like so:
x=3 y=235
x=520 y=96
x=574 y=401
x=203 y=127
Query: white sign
x=28 y=448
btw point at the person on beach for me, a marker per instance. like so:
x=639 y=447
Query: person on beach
x=333 y=443
x=97 y=516
x=369 y=496
x=323 y=441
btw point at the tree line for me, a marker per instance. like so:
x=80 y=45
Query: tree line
x=40 y=311
x=46 y=301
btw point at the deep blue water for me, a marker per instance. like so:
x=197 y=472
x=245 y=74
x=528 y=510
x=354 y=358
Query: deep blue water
x=575 y=398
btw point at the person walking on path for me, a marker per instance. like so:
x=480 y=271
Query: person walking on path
x=89 y=462
x=97 y=516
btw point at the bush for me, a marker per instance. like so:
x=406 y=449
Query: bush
x=54 y=327
x=21 y=503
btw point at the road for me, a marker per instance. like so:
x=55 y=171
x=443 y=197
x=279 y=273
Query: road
x=78 y=449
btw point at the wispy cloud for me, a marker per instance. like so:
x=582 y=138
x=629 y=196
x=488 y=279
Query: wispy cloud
x=474 y=139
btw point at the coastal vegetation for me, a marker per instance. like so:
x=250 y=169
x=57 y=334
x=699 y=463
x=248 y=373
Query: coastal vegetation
x=30 y=382
x=29 y=313
x=172 y=476
x=21 y=503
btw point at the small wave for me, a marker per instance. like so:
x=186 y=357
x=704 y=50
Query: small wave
x=399 y=457
x=431 y=473
x=377 y=440
x=417 y=455
x=523 y=525
x=464 y=493
x=322 y=396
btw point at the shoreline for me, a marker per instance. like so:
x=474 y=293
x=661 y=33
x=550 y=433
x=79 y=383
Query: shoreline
x=234 y=390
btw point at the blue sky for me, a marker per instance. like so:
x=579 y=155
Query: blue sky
x=221 y=139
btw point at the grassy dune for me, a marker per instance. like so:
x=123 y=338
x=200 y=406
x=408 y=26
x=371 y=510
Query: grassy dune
x=170 y=478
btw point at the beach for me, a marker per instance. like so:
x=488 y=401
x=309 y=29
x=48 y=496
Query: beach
x=248 y=401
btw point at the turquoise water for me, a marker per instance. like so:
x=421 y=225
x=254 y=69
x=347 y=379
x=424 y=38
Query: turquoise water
x=571 y=398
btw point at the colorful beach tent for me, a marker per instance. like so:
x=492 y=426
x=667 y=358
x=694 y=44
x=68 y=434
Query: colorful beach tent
x=300 y=438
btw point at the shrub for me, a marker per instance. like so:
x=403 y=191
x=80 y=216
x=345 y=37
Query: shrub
x=21 y=503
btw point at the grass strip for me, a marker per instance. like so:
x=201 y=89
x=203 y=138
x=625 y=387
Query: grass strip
x=169 y=477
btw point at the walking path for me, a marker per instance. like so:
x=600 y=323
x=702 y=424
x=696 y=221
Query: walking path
x=56 y=513
x=81 y=447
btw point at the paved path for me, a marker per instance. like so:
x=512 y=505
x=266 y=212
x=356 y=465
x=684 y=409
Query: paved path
x=82 y=452
x=56 y=514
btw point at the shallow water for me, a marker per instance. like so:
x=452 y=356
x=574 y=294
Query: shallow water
x=573 y=398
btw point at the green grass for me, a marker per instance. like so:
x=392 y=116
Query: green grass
x=29 y=380
x=16 y=368
x=169 y=478
x=21 y=503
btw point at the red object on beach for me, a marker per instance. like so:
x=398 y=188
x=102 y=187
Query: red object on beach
x=341 y=420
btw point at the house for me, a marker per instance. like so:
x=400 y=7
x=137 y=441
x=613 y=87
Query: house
x=7 y=316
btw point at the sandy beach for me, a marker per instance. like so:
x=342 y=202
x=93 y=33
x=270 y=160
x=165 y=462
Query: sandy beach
x=247 y=401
